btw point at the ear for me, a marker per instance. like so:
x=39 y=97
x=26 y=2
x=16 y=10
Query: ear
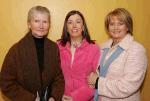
x=127 y=30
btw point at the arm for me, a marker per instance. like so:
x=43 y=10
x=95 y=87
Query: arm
x=9 y=83
x=96 y=58
x=134 y=72
x=57 y=87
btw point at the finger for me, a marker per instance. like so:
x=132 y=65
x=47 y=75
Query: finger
x=66 y=97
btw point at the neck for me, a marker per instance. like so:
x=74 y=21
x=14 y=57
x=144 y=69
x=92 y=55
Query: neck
x=76 y=42
x=115 y=42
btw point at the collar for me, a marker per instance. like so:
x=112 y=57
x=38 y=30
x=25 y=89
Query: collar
x=84 y=43
x=124 y=43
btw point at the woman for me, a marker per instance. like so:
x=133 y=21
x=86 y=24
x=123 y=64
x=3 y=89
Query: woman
x=31 y=69
x=79 y=56
x=123 y=62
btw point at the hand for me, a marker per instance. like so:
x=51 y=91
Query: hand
x=66 y=98
x=92 y=79
x=37 y=97
x=51 y=99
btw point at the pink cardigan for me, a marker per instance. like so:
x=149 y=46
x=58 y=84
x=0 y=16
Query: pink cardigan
x=85 y=61
x=126 y=73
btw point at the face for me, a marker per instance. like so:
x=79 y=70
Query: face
x=39 y=24
x=117 y=28
x=75 y=26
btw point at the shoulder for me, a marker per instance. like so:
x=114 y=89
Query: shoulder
x=60 y=46
x=136 y=46
x=106 y=44
x=93 y=47
x=51 y=43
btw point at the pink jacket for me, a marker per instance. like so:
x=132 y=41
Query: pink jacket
x=85 y=61
x=126 y=73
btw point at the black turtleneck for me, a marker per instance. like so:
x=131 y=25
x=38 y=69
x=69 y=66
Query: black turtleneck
x=39 y=43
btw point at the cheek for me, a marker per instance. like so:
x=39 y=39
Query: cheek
x=47 y=27
x=69 y=29
x=110 y=28
x=81 y=26
x=126 y=29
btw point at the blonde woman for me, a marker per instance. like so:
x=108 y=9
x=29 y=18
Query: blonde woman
x=123 y=62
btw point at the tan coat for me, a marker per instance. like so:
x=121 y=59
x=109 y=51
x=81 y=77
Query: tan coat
x=20 y=75
x=126 y=73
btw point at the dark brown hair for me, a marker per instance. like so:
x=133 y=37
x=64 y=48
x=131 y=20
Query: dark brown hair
x=65 y=35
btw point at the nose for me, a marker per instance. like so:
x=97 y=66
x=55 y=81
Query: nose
x=41 y=24
x=115 y=26
x=74 y=25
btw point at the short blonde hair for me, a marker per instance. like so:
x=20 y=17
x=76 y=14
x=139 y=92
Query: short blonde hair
x=40 y=9
x=123 y=15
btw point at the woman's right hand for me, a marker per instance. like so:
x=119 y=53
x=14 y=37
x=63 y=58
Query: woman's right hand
x=37 y=97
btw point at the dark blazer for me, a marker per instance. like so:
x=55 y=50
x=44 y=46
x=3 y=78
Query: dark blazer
x=20 y=75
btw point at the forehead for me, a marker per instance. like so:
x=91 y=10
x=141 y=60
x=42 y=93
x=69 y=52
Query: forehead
x=75 y=16
x=37 y=15
x=117 y=18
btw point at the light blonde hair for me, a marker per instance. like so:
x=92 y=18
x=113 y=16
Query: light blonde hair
x=39 y=9
x=123 y=15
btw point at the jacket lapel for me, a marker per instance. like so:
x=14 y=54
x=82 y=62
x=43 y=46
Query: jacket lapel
x=29 y=63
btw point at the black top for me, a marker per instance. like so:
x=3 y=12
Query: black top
x=39 y=43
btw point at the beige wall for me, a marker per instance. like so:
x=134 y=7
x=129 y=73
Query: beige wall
x=13 y=14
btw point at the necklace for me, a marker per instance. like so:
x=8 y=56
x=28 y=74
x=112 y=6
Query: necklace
x=75 y=44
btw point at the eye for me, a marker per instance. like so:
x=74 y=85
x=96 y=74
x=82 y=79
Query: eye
x=111 y=24
x=45 y=21
x=121 y=23
x=79 y=21
x=69 y=22
x=36 y=20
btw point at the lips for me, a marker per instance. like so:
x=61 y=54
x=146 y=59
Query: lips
x=74 y=30
x=116 y=32
x=40 y=30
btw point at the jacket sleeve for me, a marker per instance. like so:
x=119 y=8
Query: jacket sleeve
x=96 y=58
x=9 y=83
x=133 y=75
x=57 y=87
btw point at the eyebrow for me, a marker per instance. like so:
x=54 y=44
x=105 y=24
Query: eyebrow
x=76 y=19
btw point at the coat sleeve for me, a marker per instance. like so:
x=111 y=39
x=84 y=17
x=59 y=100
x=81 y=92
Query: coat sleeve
x=133 y=75
x=57 y=87
x=96 y=58
x=9 y=83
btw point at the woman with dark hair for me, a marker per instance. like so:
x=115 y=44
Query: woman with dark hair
x=79 y=57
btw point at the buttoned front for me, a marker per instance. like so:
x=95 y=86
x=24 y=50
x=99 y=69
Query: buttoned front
x=86 y=59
